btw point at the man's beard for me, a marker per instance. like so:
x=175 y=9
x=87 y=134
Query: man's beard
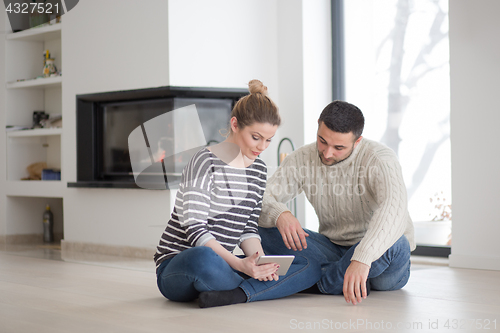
x=322 y=157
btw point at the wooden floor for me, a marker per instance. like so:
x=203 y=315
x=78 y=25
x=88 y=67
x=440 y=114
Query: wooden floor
x=39 y=292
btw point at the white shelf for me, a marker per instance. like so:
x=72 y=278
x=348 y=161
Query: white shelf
x=35 y=188
x=42 y=34
x=35 y=132
x=36 y=83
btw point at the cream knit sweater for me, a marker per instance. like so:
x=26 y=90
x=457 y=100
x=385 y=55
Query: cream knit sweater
x=361 y=199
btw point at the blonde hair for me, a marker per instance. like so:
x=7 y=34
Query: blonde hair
x=256 y=107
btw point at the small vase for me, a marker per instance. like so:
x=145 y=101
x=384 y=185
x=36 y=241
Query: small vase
x=49 y=68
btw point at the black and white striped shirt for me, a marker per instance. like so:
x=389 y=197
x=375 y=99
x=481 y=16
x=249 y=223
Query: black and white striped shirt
x=214 y=201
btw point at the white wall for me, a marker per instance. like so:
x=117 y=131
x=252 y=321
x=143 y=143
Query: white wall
x=317 y=53
x=291 y=82
x=290 y=67
x=304 y=76
x=475 y=117
x=224 y=43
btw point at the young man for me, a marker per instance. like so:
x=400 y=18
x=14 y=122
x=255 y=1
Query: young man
x=356 y=188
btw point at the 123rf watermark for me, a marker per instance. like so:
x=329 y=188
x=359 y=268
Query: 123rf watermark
x=26 y=14
x=468 y=325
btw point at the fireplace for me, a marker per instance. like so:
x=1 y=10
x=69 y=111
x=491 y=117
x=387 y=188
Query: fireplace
x=106 y=122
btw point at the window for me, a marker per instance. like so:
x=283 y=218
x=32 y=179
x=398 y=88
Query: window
x=396 y=56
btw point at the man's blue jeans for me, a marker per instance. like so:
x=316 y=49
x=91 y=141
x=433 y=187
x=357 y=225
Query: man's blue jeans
x=198 y=269
x=390 y=272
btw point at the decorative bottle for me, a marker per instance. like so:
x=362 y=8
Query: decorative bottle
x=48 y=225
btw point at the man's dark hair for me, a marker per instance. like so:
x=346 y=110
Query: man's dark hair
x=342 y=117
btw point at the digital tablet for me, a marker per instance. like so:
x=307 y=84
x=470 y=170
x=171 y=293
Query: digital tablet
x=283 y=261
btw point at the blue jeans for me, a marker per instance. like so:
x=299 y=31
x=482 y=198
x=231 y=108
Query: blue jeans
x=390 y=272
x=198 y=269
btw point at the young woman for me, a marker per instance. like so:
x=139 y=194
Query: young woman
x=217 y=207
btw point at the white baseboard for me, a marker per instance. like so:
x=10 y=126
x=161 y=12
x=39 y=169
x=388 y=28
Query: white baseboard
x=474 y=262
x=68 y=247
x=26 y=239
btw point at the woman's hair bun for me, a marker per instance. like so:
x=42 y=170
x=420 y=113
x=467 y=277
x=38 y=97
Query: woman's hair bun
x=255 y=86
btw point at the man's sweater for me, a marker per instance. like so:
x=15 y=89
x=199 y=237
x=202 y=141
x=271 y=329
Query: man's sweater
x=360 y=199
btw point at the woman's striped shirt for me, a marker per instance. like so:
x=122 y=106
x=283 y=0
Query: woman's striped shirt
x=214 y=201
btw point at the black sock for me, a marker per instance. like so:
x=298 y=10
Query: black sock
x=208 y=299
x=368 y=287
x=312 y=290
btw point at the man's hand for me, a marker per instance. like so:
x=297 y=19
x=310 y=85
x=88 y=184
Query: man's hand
x=293 y=235
x=355 y=282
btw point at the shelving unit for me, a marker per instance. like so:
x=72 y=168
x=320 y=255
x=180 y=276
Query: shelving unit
x=35 y=188
x=24 y=56
x=24 y=149
x=43 y=34
x=36 y=83
x=23 y=95
x=35 y=132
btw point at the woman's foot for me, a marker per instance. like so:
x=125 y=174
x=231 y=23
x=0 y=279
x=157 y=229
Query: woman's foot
x=312 y=290
x=208 y=299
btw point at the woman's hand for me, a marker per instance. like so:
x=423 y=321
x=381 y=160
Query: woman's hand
x=265 y=272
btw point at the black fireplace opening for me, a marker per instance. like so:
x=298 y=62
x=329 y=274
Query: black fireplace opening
x=104 y=122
